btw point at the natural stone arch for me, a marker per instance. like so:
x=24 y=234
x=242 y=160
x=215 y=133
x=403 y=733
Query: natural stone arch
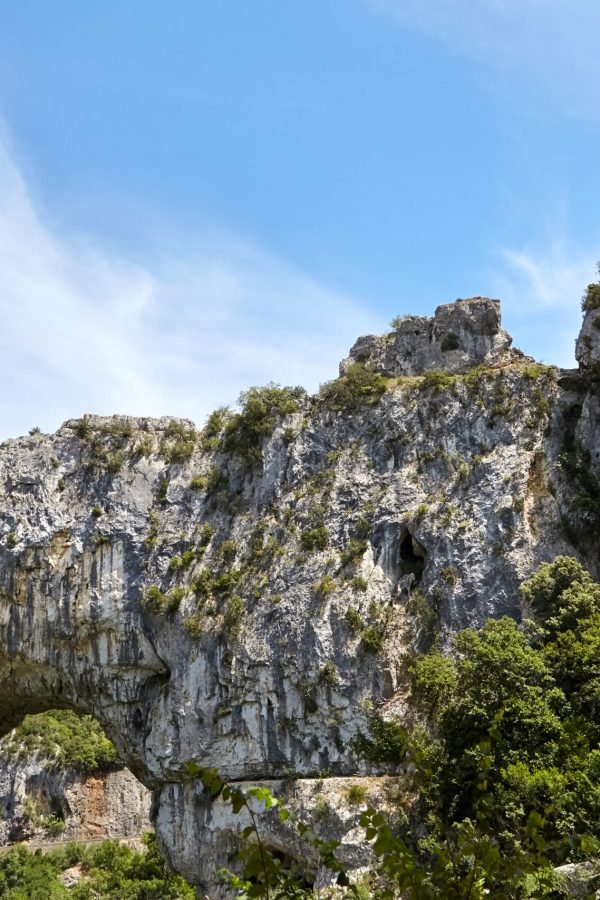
x=69 y=638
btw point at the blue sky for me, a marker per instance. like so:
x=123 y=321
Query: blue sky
x=200 y=196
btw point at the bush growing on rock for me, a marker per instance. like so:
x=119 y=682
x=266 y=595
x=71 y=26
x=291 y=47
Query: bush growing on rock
x=360 y=386
x=261 y=407
x=591 y=298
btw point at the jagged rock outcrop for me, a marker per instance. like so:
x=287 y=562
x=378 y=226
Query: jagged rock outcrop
x=460 y=335
x=240 y=598
x=587 y=348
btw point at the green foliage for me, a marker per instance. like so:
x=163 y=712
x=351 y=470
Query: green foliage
x=107 y=444
x=261 y=407
x=359 y=584
x=213 y=429
x=261 y=872
x=194 y=625
x=179 y=451
x=397 y=321
x=360 y=386
x=151 y=539
x=66 y=740
x=438 y=381
x=227 y=551
x=515 y=723
x=206 y=533
x=212 y=481
x=234 y=616
x=82 y=428
x=315 y=538
x=111 y=871
x=354 y=619
x=356 y=794
x=328 y=673
x=353 y=552
x=144 y=447
x=561 y=594
x=591 y=298
x=183 y=561
x=163 y=490
x=372 y=637
x=157 y=603
x=325 y=586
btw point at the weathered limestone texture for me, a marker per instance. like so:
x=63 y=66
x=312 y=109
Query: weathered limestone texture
x=587 y=349
x=419 y=513
x=93 y=807
x=461 y=335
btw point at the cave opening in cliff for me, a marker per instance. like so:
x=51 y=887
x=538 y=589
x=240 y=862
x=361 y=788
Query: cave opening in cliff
x=412 y=557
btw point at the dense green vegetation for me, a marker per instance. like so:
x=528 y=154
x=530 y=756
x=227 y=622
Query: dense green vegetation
x=360 y=386
x=260 y=409
x=109 y=872
x=511 y=749
x=503 y=766
x=66 y=740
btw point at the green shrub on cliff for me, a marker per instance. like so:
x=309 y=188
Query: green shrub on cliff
x=359 y=386
x=591 y=298
x=261 y=407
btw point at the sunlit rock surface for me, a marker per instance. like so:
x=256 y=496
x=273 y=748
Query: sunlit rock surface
x=430 y=507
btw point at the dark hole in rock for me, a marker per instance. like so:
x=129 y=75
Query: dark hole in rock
x=450 y=342
x=399 y=554
x=412 y=557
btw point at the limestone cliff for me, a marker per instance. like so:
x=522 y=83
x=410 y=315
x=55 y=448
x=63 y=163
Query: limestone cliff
x=40 y=804
x=240 y=596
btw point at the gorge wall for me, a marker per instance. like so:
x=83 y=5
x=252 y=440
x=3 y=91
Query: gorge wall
x=242 y=596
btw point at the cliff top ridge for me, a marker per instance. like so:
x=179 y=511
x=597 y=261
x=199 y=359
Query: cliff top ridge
x=457 y=337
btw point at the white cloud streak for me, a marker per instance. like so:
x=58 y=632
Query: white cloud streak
x=541 y=291
x=84 y=331
x=539 y=47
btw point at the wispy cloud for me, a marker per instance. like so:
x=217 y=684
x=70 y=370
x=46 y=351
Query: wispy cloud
x=84 y=330
x=541 y=291
x=543 y=47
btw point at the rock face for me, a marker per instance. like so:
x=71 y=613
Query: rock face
x=587 y=349
x=33 y=796
x=461 y=335
x=240 y=601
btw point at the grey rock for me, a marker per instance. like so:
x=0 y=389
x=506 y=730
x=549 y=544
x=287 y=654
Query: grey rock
x=94 y=807
x=457 y=491
x=587 y=347
x=460 y=335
